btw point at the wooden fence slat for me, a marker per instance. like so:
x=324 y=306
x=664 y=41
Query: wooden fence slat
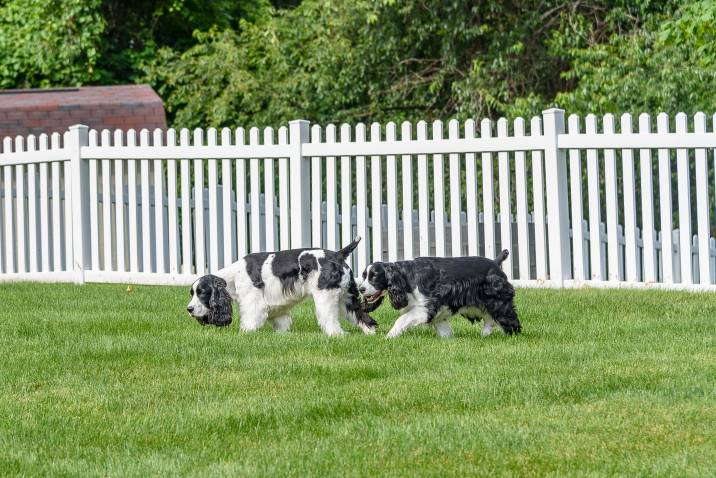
x=703 y=221
x=683 y=184
x=629 y=190
x=488 y=192
x=539 y=203
x=612 y=203
x=226 y=203
x=505 y=200
x=172 y=217
x=471 y=194
x=361 y=203
x=423 y=197
x=241 y=232
x=119 y=205
x=346 y=190
x=646 y=180
x=376 y=197
x=160 y=262
x=407 y=176
x=199 y=247
x=391 y=178
x=255 y=192
x=665 y=201
x=455 y=192
x=212 y=250
x=331 y=193
x=33 y=246
x=316 y=191
x=132 y=206
x=575 y=180
x=269 y=195
x=439 y=200
x=186 y=237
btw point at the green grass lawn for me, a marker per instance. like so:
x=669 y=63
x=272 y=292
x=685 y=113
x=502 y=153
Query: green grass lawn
x=97 y=381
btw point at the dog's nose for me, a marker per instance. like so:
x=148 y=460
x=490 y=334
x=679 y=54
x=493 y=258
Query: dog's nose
x=190 y=309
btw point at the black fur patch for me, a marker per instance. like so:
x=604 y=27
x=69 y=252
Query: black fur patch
x=254 y=263
x=211 y=291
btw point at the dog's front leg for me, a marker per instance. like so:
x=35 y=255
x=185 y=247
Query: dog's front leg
x=327 y=302
x=411 y=318
x=281 y=324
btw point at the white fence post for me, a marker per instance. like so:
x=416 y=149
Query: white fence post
x=300 y=185
x=557 y=198
x=79 y=201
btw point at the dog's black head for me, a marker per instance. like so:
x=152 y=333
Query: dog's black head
x=379 y=278
x=210 y=301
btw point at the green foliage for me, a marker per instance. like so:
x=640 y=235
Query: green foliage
x=668 y=64
x=261 y=62
x=49 y=42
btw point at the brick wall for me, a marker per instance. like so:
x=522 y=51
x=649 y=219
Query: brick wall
x=24 y=112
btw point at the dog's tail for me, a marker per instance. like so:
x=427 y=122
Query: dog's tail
x=501 y=257
x=346 y=251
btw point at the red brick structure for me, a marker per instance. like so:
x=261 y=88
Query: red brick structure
x=24 y=112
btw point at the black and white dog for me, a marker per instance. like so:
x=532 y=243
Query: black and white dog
x=265 y=285
x=430 y=290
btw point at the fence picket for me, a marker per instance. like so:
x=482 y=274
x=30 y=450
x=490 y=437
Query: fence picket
x=575 y=176
x=33 y=249
x=391 y=178
x=423 y=197
x=407 y=177
x=539 y=204
x=255 y=193
x=186 y=238
x=132 y=205
x=376 y=184
x=361 y=203
x=346 y=193
x=505 y=200
x=283 y=184
x=455 y=191
x=269 y=194
x=523 y=232
x=439 y=192
x=331 y=193
x=702 y=205
x=226 y=208
x=665 y=201
x=647 y=204
x=488 y=194
x=241 y=232
x=20 y=208
x=612 y=202
x=119 y=201
x=212 y=251
x=146 y=206
x=316 y=190
x=683 y=185
x=471 y=194
x=160 y=264
x=629 y=190
x=199 y=249
x=9 y=223
x=173 y=238
x=597 y=262
x=69 y=213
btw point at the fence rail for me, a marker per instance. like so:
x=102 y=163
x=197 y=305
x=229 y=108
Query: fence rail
x=604 y=204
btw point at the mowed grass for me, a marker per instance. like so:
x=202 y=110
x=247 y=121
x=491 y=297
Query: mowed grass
x=98 y=381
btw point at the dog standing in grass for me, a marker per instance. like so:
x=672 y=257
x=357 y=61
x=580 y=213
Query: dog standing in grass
x=430 y=290
x=266 y=285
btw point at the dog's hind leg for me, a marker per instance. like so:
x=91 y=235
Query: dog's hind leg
x=254 y=313
x=281 y=323
x=327 y=302
x=443 y=328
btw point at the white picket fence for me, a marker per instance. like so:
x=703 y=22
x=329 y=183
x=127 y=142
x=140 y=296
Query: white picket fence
x=569 y=202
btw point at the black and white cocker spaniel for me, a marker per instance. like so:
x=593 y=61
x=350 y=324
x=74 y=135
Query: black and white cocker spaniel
x=266 y=285
x=430 y=290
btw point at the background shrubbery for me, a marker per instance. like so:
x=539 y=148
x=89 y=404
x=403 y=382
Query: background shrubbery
x=261 y=62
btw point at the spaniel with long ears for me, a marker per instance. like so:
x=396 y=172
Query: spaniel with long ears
x=266 y=285
x=430 y=290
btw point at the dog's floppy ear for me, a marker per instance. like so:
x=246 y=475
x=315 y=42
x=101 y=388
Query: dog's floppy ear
x=397 y=287
x=219 y=303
